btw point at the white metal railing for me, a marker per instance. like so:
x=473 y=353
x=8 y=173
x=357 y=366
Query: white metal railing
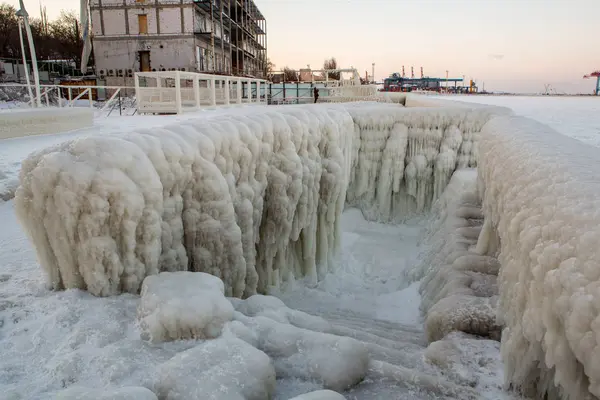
x=196 y=91
x=175 y=92
x=73 y=94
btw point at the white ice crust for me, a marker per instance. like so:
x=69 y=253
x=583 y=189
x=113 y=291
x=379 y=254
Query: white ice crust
x=541 y=196
x=253 y=199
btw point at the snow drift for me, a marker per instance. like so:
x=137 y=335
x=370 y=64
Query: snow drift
x=253 y=198
x=541 y=196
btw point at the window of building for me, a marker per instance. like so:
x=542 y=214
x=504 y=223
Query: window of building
x=200 y=22
x=200 y=58
x=143 y=23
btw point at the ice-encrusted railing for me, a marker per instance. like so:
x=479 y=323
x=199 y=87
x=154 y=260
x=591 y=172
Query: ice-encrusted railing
x=541 y=202
x=254 y=198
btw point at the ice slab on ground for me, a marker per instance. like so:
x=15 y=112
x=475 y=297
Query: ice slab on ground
x=198 y=195
x=320 y=395
x=126 y=393
x=541 y=196
x=183 y=305
x=226 y=368
x=273 y=308
x=336 y=362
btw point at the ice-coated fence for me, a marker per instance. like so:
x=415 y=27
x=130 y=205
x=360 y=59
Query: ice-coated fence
x=174 y=92
x=198 y=195
x=541 y=196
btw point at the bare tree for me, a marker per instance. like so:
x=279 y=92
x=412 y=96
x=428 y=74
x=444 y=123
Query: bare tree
x=290 y=75
x=270 y=67
x=9 y=33
x=332 y=64
x=54 y=40
x=66 y=36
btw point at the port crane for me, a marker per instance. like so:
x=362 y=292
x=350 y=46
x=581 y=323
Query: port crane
x=595 y=74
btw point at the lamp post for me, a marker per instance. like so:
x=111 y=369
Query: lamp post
x=373 y=72
x=25 y=66
x=22 y=14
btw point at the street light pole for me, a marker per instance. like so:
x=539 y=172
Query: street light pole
x=25 y=66
x=36 y=76
x=373 y=72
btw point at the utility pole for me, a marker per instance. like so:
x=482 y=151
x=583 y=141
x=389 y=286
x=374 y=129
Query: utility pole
x=212 y=38
x=446 y=80
x=373 y=73
x=36 y=76
x=25 y=66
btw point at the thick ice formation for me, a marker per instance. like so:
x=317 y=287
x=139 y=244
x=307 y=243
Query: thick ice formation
x=253 y=199
x=403 y=158
x=459 y=286
x=541 y=196
x=226 y=368
x=183 y=305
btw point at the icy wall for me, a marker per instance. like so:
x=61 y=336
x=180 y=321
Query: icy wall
x=541 y=202
x=253 y=197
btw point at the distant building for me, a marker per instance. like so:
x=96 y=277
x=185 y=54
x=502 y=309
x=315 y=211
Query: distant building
x=214 y=36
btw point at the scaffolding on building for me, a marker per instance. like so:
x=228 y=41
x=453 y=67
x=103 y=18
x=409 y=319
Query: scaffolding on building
x=239 y=29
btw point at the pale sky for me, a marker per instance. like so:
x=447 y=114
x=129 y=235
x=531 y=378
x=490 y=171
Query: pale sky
x=512 y=45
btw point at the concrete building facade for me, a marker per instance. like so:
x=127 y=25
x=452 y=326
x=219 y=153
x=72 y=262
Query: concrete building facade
x=211 y=36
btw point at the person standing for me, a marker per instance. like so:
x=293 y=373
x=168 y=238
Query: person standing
x=316 y=94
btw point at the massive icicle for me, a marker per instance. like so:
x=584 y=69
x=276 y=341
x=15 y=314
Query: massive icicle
x=253 y=198
x=403 y=158
x=541 y=196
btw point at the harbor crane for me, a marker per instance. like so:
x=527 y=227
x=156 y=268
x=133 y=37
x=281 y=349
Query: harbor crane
x=595 y=74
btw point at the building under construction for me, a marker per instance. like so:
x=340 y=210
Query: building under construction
x=235 y=30
x=227 y=37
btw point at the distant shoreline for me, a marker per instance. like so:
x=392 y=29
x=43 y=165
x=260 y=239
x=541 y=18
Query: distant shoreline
x=517 y=94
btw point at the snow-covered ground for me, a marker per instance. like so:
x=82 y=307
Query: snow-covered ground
x=53 y=340
x=577 y=117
